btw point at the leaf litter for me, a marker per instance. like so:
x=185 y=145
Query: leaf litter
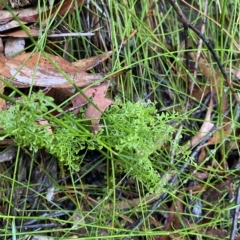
x=58 y=75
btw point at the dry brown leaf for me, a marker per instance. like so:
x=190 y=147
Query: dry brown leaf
x=22 y=33
x=174 y=221
x=102 y=103
x=213 y=78
x=202 y=155
x=89 y=63
x=46 y=123
x=213 y=194
x=30 y=14
x=67 y=6
x=205 y=128
x=236 y=73
x=216 y=233
x=61 y=8
x=80 y=100
x=218 y=136
x=7 y=21
x=201 y=175
x=39 y=71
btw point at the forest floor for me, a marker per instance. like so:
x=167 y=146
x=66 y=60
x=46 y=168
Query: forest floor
x=119 y=119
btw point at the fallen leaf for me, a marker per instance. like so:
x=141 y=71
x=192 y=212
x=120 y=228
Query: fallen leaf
x=101 y=102
x=219 y=136
x=213 y=78
x=67 y=6
x=80 y=100
x=22 y=33
x=7 y=21
x=174 y=220
x=30 y=15
x=205 y=128
x=236 y=73
x=89 y=63
x=45 y=124
x=202 y=155
x=214 y=88
x=35 y=69
x=61 y=8
x=215 y=193
x=216 y=233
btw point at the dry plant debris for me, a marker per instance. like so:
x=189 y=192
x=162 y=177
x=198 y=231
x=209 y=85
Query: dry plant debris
x=202 y=172
x=34 y=69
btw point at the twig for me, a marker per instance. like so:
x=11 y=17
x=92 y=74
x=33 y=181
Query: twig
x=191 y=82
x=200 y=40
x=72 y=34
x=46 y=216
x=38 y=226
x=187 y=24
x=199 y=48
x=71 y=109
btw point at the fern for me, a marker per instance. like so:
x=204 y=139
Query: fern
x=137 y=129
x=134 y=129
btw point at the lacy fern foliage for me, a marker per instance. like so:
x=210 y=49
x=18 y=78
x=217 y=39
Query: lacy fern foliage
x=133 y=129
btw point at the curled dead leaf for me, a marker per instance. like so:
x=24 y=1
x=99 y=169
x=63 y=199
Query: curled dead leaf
x=214 y=81
x=205 y=128
x=101 y=102
x=80 y=100
x=31 y=14
x=7 y=21
x=35 y=69
x=89 y=63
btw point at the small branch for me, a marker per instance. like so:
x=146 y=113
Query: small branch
x=38 y=226
x=187 y=24
x=200 y=43
x=72 y=34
